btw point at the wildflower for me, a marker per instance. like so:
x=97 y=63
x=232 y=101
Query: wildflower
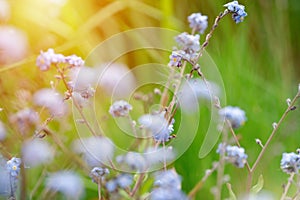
x=290 y=162
x=2 y=131
x=6 y=186
x=233 y=154
x=167 y=194
x=237 y=10
x=46 y=59
x=156 y=156
x=175 y=59
x=196 y=89
x=82 y=81
x=111 y=185
x=52 y=100
x=198 y=22
x=13 y=44
x=168 y=186
x=66 y=182
x=24 y=119
x=120 y=108
x=124 y=180
x=188 y=43
x=95 y=150
x=36 y=152
x=134 y=160
x=13 y=166
x=234 y=115
x=167 y=179
x=97 y=173
x=158 y=125
x=116 y=79
x=74 y=61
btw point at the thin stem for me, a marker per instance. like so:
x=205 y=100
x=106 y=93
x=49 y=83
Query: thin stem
x=286 y=188
x=275 y=129
x=99 y=190
x=199 y=185
x=137 y=184
x=209 y=35
x=62 y=76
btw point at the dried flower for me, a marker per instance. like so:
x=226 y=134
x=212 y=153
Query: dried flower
x=234 y=115
x=198 y=22
x=120 y=108
x=237 y=10
x=290 y=162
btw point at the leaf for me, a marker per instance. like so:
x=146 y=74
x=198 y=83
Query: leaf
x=231 y=193
x=260 y=183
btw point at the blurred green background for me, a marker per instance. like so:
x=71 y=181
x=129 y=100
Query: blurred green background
x=258 y=61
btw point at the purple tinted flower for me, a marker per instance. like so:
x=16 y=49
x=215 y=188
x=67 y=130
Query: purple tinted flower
x=46 y=59
x=124 y=180
x=237 y=10
x=74 y=61
x=290 y=163
x=158 y=125
x=120 y=108
x=198 y=22
x=234 y=115
x=175 y=59
x=188 y=43
x=97 y=173
x=233 y=154
x=111 y=185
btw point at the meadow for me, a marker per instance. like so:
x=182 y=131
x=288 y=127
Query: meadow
x=126 y=47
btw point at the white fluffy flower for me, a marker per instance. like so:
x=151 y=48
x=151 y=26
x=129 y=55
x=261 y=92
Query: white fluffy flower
x=66 y=182
x=13 y=44
x=36 y=152
x=196 y=89
x=95 y=150
x=116 y=79
x=52 y=100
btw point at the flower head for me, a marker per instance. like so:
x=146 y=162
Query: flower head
x=124 y=180
x=161 y=129
x=233 y=154
x=234 y=115
x=290 y=162
x=66 y=182
x=189 y=43
x=134 y=160
x=74 y=61
x=175 y=59
x=13 y=166
x=36 y=152
x=120 y=108
x=198 y=22
x=46 y=59
x=238 y=11
x=97 y=173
